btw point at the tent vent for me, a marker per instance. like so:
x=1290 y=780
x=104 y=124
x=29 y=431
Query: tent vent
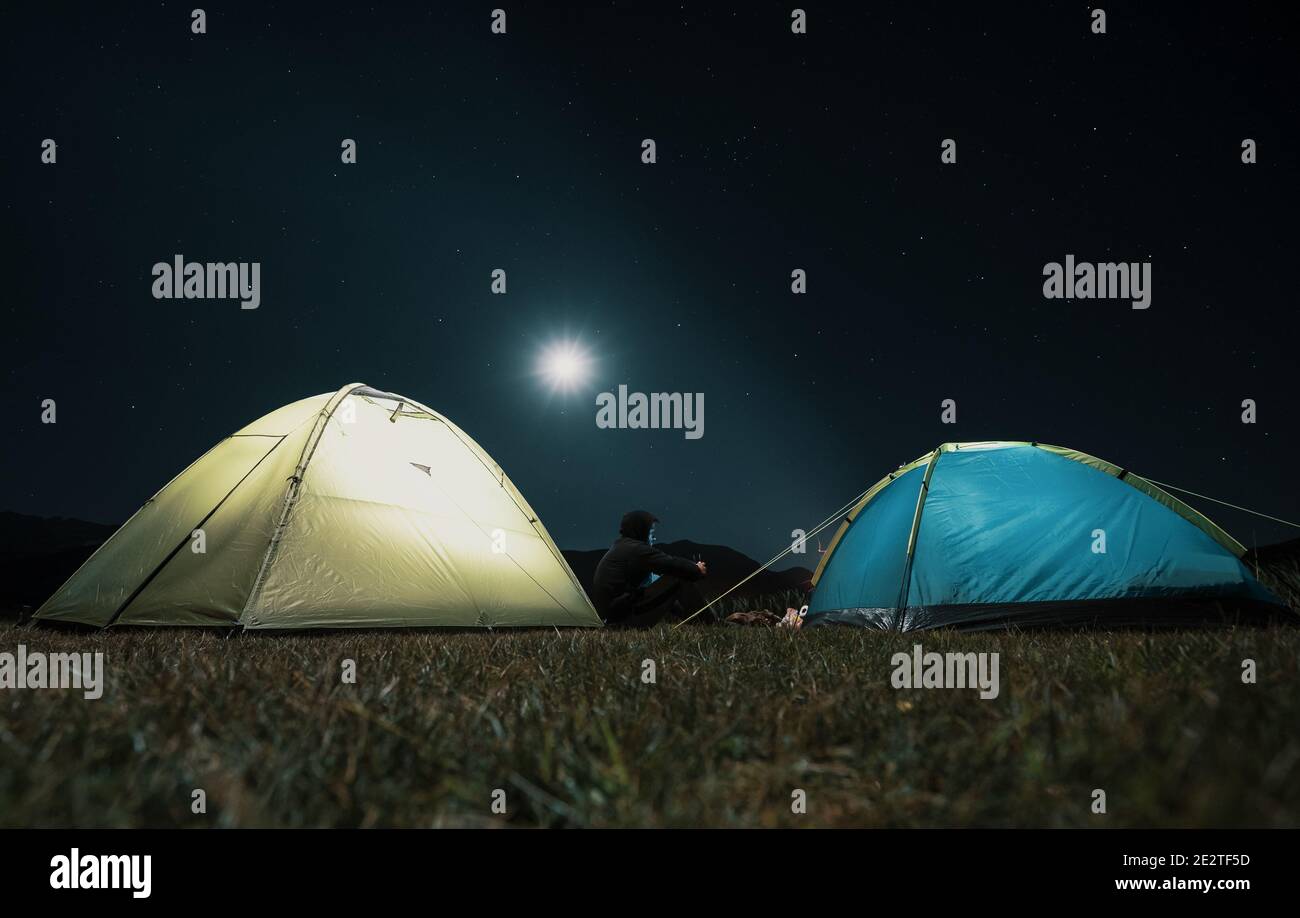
x=423 y=468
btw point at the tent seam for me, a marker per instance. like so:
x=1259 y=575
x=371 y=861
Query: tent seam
x=175 y=551
x=291 y=492
x=500 y=475
x=922 y=494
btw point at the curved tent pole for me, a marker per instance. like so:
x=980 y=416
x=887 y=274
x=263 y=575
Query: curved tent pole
x=916 y=525
x=291 y=492
x=867 y=497
x=1154 y=491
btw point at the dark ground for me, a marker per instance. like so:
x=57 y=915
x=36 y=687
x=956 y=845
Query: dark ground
x=737 y=719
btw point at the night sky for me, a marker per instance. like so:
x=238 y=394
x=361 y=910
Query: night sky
x=775 y=151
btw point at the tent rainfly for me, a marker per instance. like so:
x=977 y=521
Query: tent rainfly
x=356 y=509
x=979 y=535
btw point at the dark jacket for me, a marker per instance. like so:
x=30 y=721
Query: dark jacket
x=631 y=560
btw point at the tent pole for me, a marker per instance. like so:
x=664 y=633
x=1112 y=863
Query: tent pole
x=916 y=524
x=185 y=541
x=291 y=492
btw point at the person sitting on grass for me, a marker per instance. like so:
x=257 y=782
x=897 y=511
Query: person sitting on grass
x=637 y=585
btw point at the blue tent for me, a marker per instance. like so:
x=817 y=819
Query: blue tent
x=1014 y=533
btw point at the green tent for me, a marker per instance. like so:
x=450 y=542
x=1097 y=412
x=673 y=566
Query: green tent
x=356 y=509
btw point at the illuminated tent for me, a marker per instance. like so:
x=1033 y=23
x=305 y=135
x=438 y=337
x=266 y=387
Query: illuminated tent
x=1011 y=533
x=357 y=509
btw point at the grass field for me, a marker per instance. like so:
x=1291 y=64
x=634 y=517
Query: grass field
x=737 y=719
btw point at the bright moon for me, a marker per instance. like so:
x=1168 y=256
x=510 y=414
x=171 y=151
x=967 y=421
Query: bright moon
x=565 y=365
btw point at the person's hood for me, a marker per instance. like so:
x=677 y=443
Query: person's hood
x=636 y=525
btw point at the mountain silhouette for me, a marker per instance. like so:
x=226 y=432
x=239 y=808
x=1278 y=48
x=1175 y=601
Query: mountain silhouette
x=37 y=554
x=727 y=567
x=23 y=534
